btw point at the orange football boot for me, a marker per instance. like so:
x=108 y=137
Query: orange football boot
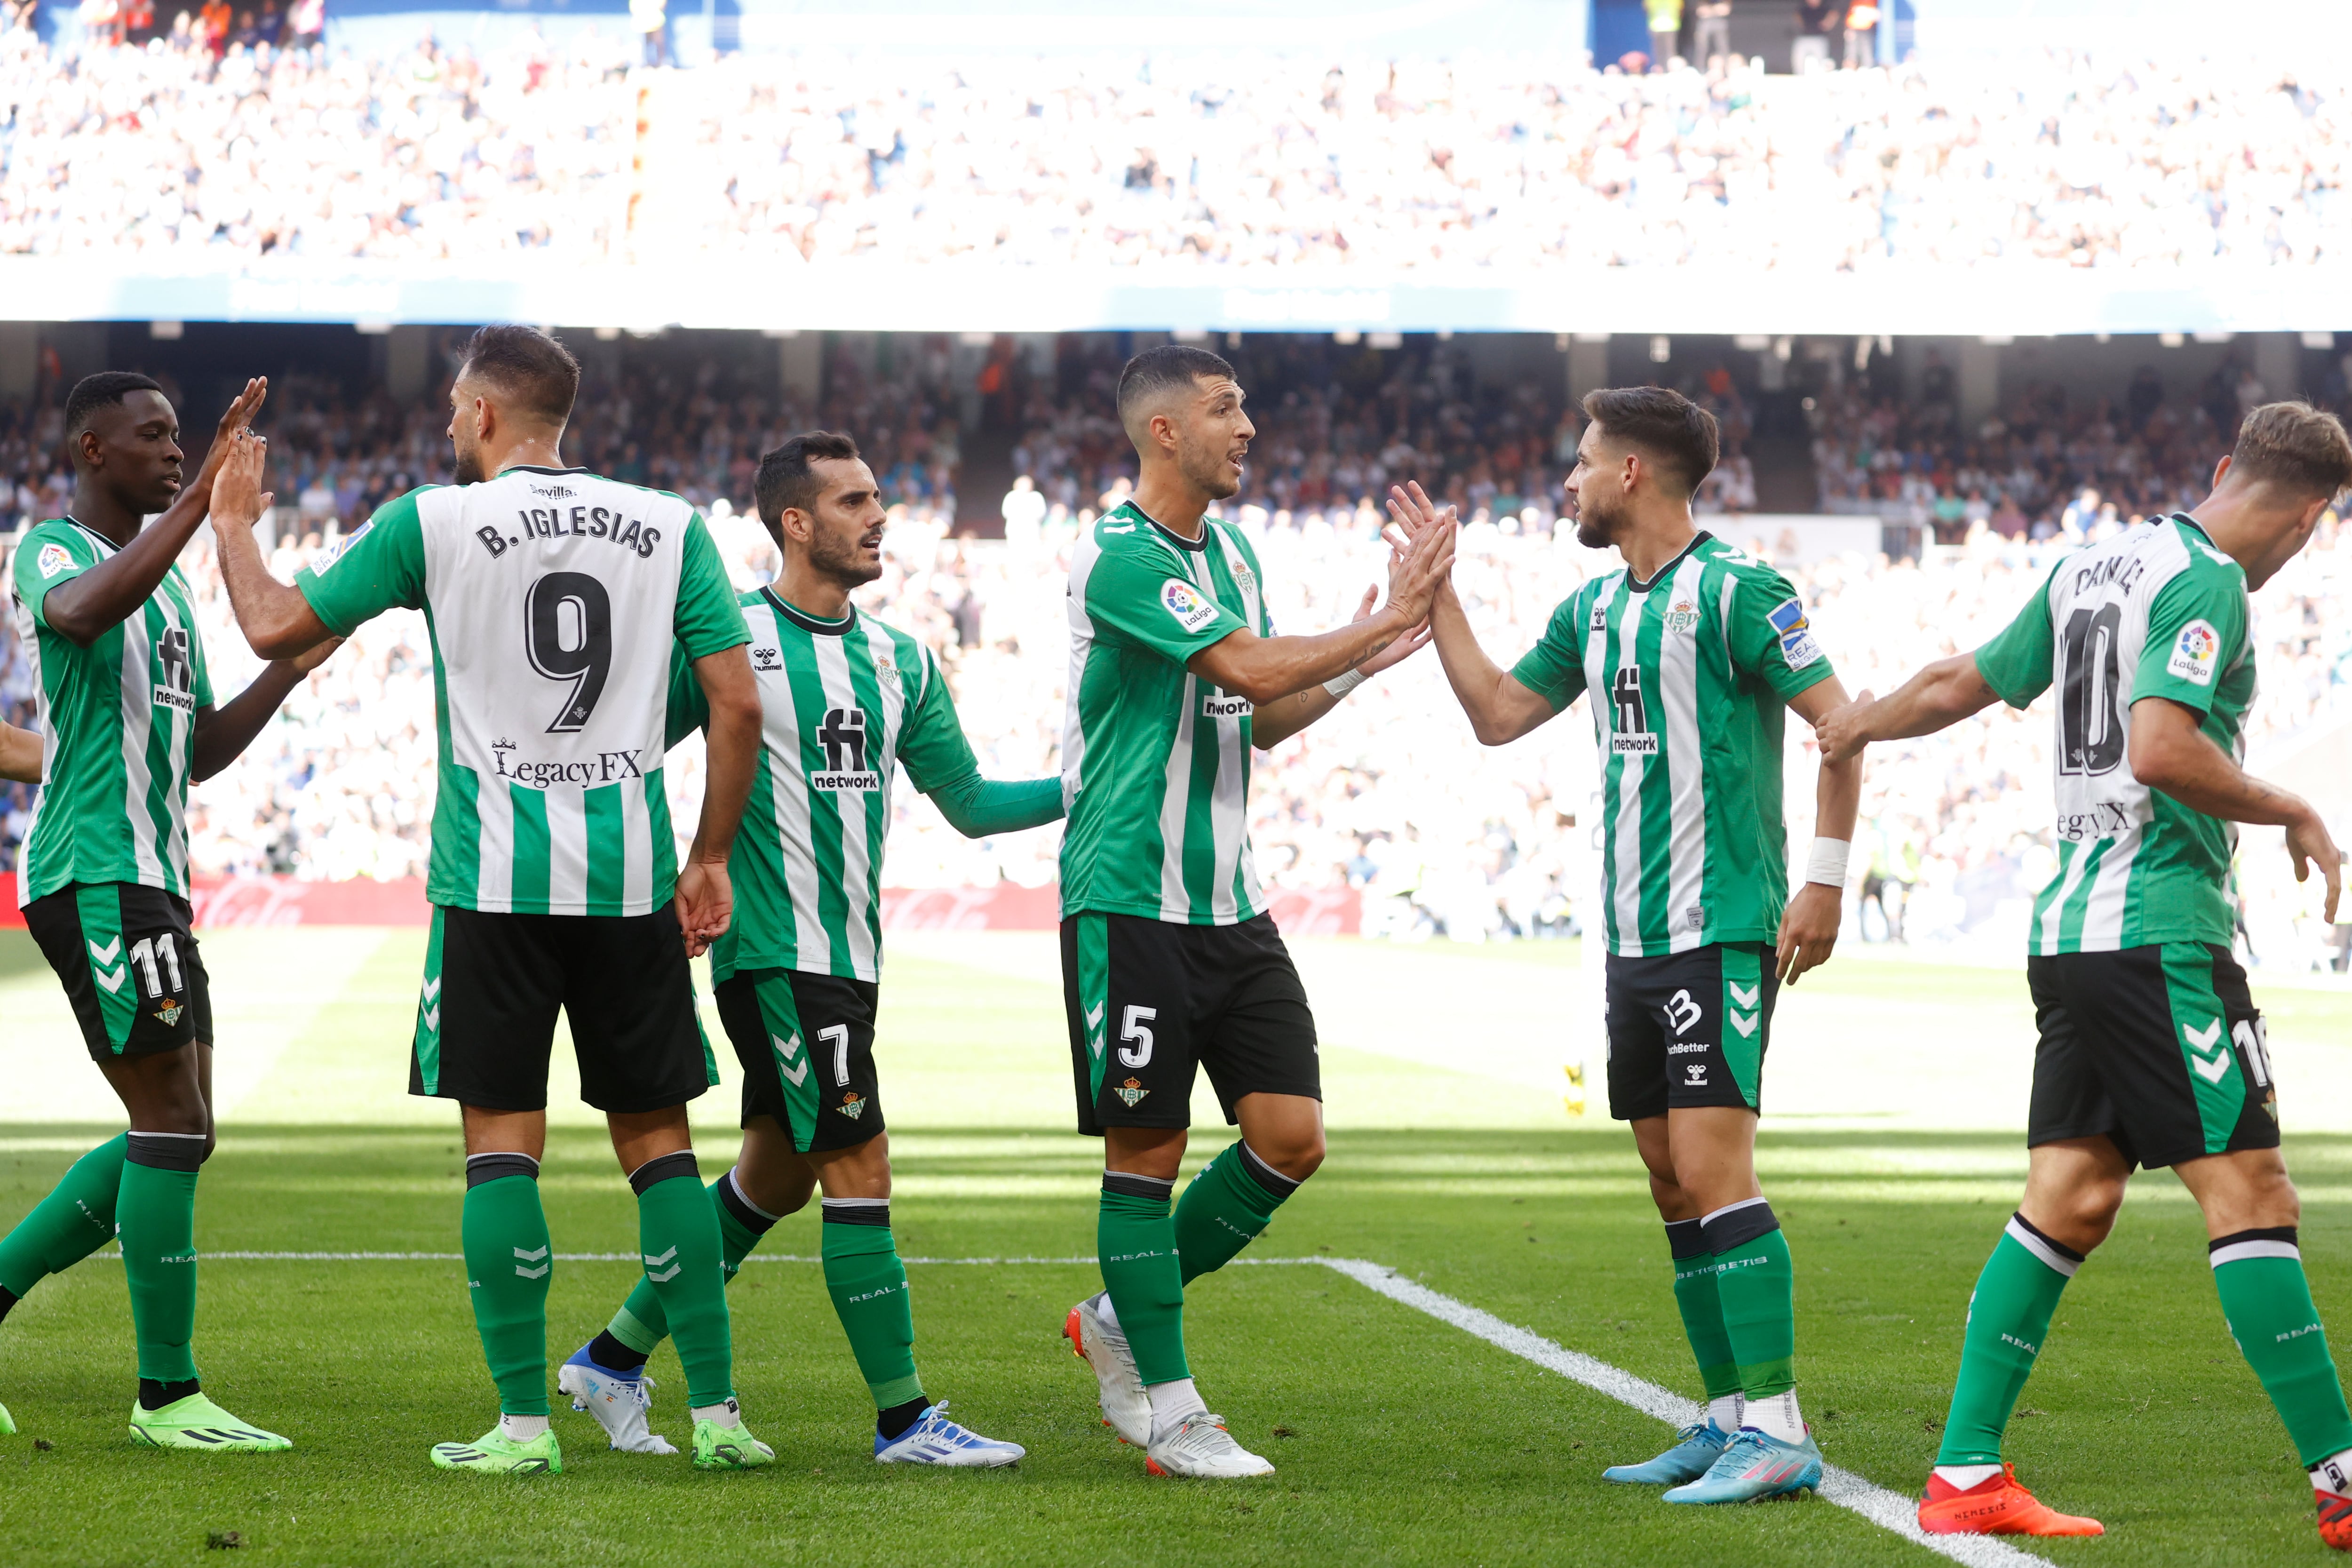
x=1998 y=1506
x=2335 y=1520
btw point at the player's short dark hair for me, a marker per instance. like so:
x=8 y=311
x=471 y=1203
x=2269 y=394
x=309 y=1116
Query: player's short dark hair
x=2296 y=446
x=528 y=366
x=107 y=389
x=787 y=480
x=1166 y=367
x=1663 y=425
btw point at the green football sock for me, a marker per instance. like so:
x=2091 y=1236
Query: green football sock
x=679 y=1237
x=1756 y=1285
x=641 y=1323
x=868 y=1285
x=1232 y=1199
x=1702 y=1308
x=2267 y=1301
x=2009 y=1317
x=75 y=1220
x=508 y=1264
x=155 y=1213
x=1137 y=1243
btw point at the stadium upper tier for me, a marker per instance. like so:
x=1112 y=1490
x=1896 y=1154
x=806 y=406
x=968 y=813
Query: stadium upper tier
x=2058 y=192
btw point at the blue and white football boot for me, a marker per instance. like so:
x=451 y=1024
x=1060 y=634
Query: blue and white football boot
x=1755 y=1467
x=618 y=1400
x=1696 y=1447
x=934 y=1439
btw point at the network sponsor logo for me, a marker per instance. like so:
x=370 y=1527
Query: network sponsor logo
x=1217 y=706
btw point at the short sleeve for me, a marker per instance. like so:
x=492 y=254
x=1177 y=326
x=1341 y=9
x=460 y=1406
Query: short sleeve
x=1554 y=669
x=380 y=567
x=1770 y=637
x=2195 y=627
x=2020 y=664
x=689 y=709
x=48 y=556
x=709 y=619
x=1142 y=597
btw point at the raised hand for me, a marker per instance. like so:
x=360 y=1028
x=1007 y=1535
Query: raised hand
x=1397 y=652
x=1417 y=572
x=1410 y=505
x=238 y=499
x=234 y=422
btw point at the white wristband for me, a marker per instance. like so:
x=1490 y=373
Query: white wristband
x=1826 y=865
x=1340 y=685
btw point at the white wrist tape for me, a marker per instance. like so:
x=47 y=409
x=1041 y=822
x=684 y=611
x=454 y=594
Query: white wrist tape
x=1340 y=685
x=1826 y=865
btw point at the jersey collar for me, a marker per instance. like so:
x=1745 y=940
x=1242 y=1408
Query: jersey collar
x=1663 y=573
x=535 y=468
x=2185 y=521
x=1169 y=534
x=815 y=625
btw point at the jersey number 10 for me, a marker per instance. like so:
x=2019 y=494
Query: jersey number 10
x=2090 y=727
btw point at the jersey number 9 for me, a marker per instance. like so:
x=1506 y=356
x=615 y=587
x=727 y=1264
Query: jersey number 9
x=567 y=630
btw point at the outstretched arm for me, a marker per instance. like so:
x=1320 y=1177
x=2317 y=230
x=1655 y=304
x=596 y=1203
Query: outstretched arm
x=1267 y=669
x=222 y=733
x=1944 y=693
x=1809 y=927
x=2171 y=751
x=1501 y=709
x=277 y=620
x=20 y=755
x=1277 y=722
x=85 y=607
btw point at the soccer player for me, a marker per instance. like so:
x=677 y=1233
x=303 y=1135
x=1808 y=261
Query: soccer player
x=1168 y=958
x=552 y=597
x=2151 y=1049
x=844 y=702
x=127 y=719
x=1689 y=653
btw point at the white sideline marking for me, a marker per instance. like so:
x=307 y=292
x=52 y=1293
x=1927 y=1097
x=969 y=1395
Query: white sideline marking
x=1889 y=1510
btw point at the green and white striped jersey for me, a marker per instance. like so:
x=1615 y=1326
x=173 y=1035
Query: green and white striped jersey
x=117 y=726
x=2155 y=611
x=1689 y=674
x=553 y=597
x=842 y=704
x=1155 y=760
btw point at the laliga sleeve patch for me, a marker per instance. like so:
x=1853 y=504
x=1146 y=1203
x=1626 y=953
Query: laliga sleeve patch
x=1192 y=608
x=53 y=559
x=1796 y=643
x=2195 y=653
x=326 y=558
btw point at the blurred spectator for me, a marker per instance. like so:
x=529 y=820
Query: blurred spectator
x=1815 y=19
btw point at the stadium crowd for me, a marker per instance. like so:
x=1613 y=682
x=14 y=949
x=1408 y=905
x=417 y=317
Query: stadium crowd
x=199 y=150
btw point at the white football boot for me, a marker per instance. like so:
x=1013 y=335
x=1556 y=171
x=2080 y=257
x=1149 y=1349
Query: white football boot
x=1199 y=1445
x=618 y=1404
x=1127 y=1409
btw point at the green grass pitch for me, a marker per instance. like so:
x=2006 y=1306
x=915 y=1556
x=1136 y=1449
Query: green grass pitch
x=1398 y=1439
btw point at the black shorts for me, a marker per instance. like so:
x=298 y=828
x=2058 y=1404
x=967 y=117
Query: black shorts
x=1689 y=1028
x=485 y=1017
x=1147 y=1000
x=807 y=1043
x=2159 y=1049
x=128 y=964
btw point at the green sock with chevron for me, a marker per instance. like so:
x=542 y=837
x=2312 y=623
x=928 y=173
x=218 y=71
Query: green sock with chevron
x=507 y=1264
x=677 y=1235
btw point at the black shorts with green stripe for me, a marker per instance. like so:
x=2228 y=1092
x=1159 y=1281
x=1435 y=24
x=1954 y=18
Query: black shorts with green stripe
x=494 y=982
x=128 y=964
x=1687 y=1030
x=807 y=1043
x=1149 y=1001
x=2158 y=1049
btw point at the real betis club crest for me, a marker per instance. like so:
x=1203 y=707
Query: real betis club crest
x=1131 y=1091
x=851 y=1105
x=168 y=1014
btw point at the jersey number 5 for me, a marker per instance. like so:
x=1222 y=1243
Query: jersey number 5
x=1135 y=1036
x=567 y=630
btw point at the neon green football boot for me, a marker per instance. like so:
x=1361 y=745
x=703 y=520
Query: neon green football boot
x=495 y=1454
x=717 y=1447
x=196 y=1422
x=7 y=1422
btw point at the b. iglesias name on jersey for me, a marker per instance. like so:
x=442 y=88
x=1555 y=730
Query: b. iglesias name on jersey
x=1689 y=675
x=2153 y=610
x=551 y=648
